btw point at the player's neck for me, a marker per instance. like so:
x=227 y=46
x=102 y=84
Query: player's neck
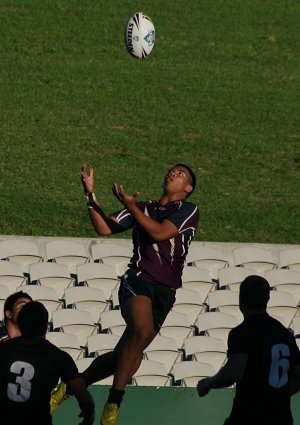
x=12 y=330
x=247 y=313
x=171 y=197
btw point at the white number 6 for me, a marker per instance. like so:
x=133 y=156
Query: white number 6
x=20 y=391
x=280 y=365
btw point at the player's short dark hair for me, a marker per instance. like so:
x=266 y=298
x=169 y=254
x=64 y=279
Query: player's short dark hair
x=192 y=175
x=33 y=319
x=254 y=292
x=13 y=298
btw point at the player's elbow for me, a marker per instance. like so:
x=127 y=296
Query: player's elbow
x=104 y=232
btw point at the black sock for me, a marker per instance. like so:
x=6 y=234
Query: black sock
x=115 y=396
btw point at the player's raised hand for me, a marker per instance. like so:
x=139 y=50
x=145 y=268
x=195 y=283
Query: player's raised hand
x=87 y=180
x=203 y=387
x=127 y=200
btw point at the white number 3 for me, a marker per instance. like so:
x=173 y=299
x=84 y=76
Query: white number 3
x=280 y=365
x=20 y=390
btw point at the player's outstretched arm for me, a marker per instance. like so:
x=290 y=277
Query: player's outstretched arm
x=227 y=375
x=85 y=400
x=158 y=231
x=103 y=224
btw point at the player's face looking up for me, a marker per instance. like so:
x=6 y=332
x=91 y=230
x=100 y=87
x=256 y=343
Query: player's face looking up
x=17 y=307
x=178 y=179
x=174 y=172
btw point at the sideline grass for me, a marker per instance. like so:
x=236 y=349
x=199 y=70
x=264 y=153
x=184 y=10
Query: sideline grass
x=220 y=92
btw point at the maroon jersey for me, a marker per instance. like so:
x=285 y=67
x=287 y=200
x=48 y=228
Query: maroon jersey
x=161 y=261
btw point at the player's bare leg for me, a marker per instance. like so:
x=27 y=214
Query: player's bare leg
x=137 y=313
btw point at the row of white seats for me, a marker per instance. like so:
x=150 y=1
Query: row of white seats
x=105 y=277
x=73 y=253
x=63 y=252
x=163 y=364
x=283 y=304
x=58 y=276
x=177 y=325
x=153 y=373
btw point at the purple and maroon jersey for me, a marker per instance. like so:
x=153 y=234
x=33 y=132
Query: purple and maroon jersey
x=161 y=261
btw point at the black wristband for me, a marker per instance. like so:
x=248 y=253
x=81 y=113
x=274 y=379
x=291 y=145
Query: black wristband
x=113 y=226
x=91 y=199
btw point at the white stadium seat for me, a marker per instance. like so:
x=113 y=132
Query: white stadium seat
x=189 y=373
x=111 y=253
x=164 y=350
x=66 y=252
x=20 y=251
x=211 y=259
x=56 y=276
x=285 y=280
x=199 y=280
x=99 y=344
x=66 y=342
x=231 y=277
x=177 y=326
x=216 y=324
x=47 y=296
x=11 y=276
x=290 y=258
x=87 y=299
x=99 y=276
x=206 y=349
x=151 y=373
x=190 y=303
x=113 y=322
x=257 y=260
x=75 y=322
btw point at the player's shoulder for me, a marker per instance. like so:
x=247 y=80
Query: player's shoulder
x=239 y=329
x=242 y=329
x=9 y=345
x=187 y=204
x=188 y=208
x=279 y=327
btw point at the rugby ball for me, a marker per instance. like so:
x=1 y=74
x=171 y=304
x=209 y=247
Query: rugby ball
x=139 y=35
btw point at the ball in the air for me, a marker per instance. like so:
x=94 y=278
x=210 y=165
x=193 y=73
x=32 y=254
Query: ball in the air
x=139 y=35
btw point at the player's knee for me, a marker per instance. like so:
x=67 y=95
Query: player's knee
x=144 y=336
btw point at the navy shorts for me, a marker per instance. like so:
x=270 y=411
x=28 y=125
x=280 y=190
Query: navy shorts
x=162 y=297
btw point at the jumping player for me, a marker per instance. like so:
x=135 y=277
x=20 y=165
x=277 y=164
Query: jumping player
x=162 y=232
x=263 y=360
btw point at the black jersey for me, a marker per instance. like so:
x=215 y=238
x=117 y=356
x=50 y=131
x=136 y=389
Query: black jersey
x=29 y=370
x=262 y=394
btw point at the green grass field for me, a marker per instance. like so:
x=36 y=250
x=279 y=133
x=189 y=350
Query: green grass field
x=220 y=91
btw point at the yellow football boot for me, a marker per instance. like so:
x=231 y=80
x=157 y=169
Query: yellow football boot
x=58 y=397
x=110 y=414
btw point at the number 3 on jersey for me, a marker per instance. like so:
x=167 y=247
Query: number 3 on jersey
x=20 y=390
x=280 y=365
